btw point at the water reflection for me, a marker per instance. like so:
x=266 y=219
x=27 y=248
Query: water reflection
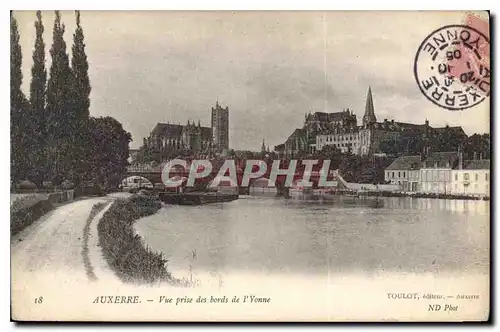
x=272 y=235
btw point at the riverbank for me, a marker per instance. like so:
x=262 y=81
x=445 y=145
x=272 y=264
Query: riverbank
x=424 y=195
x=29 y=207
x=125 y=251
x=326 y=193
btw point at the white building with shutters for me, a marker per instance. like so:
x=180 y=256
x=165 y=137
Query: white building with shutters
x=472 y=178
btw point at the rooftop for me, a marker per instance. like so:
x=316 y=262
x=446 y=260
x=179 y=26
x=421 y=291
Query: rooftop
x=405 y=162
x=477 y=164
x=299 y=132
x=441 y=160
x=456 y=130
x=175 y=130
x=330 y=117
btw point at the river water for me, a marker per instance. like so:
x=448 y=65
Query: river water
x=257 y=235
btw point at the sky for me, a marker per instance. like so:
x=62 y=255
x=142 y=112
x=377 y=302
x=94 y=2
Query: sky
x=270 y=68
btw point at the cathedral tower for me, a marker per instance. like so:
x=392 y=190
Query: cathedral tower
x=369 y=116
x=220 y=127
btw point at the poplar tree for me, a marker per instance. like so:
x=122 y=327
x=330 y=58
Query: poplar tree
x=60 y=108
x=18 y=105
x=16 y=75
x=80 y=67
x=38 y=90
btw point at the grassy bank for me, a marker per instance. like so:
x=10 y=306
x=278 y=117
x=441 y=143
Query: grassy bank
x=27 y=207
x=124 y=250
x=86 y=231
x=23 y=215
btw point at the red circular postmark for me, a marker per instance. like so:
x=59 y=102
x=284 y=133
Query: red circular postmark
x=452 y=67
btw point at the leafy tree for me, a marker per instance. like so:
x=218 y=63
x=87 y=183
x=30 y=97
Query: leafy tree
x=448 y=140
x=373 y=169
x=409 y=143
x=38 y=91
x=479 y=146
x=364 y=169
x=332 y=153
x=110 y=151
x=390 y=147
x=350 y=167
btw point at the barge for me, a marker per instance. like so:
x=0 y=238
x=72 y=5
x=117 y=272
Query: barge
x=196 y=198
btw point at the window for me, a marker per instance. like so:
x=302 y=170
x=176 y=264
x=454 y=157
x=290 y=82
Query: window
x=399 y=174
x=456 y=179
x=466 y=176
x=486 y=176
x=442 y=176
x=404 y=174
x=477 y=177
x=393 y=175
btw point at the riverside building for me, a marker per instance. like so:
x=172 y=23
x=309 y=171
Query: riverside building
x=167 y=141
x=340 y=130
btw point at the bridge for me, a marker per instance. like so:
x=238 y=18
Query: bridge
x=153 y=174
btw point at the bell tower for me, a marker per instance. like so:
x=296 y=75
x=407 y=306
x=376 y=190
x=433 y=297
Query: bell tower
x=369 y=116
x=220 y=127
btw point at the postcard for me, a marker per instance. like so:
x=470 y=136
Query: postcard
x=250 y=166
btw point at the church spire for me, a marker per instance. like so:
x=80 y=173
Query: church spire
x=263 y=147
x=369 y=116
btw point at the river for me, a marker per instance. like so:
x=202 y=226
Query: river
x=265 y=236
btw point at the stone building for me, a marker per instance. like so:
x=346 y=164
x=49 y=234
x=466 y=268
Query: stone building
x=167 y=141
x=435 y=173
x=405 y=172
x=340 y=129
x=366 y=139
x=441 y=173
x=471 y=177
x=220 y=128
x=304 y=140
x=363 y=139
